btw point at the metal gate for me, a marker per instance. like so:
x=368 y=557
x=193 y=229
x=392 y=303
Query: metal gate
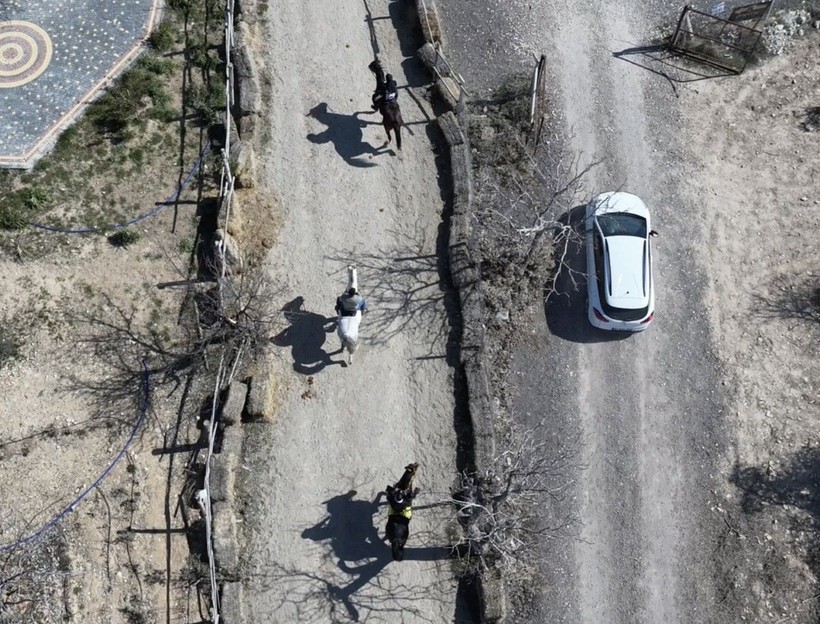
x=721 y=38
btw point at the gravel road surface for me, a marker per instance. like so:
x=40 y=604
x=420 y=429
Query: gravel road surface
x=651 y=423
x=314 y=526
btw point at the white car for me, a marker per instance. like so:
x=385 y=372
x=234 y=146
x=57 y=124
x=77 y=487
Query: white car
x=620 y=285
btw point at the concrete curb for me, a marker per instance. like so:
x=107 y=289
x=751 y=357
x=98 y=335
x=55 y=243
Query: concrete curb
x=428 y=18
x=232 y=607
x=445 y=84
x=261 y=404
x=466 y=278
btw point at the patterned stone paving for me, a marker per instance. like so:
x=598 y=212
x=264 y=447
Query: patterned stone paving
x=25 y=52
x=55 y=56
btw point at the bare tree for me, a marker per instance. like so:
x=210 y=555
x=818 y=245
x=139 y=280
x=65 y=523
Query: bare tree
x=230 y=317
x=527 y=222
x=514 y=502
x=524 y=203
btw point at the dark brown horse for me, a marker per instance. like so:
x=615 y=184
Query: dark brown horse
x=385 y=98
x=391 y=120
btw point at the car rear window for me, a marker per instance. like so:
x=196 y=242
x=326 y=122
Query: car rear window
x=622 y=314
x=622 y=224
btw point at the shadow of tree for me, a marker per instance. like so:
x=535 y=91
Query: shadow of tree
x=357 y=591
x=794 y=484
x=407 y=290
x=345 y=132
x=305 y=335
x=811 y=122
x=315 y=597
x=353 y=539
x=796 y=297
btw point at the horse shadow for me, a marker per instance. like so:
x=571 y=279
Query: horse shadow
x=345 y=132
x=354 y=540
x=305 y=335
x=356 y=543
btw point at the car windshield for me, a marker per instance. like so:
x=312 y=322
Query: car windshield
x=622 y=224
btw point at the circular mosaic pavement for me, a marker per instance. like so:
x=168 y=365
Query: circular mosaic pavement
x=25 y=52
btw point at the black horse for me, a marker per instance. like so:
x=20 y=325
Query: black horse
x=398 y=530
x=400 y=498
x=385 y=99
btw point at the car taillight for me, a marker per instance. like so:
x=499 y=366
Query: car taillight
x=600 y=316
x=648 y=318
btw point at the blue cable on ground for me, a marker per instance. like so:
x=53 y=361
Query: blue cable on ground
x=145 y=405
x=160 y=205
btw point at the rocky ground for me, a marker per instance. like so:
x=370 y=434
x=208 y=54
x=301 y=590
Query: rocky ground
x=756 y=137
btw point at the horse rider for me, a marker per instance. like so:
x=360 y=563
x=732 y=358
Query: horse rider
x=386 y=88
x=400 y=498
x=350 y=302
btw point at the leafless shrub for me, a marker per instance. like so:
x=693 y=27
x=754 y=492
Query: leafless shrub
x=523 y=202
x=513 y=503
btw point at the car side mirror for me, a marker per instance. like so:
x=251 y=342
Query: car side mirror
x=653 y=233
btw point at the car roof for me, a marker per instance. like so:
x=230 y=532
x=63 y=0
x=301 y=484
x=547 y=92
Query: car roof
x=627 y=284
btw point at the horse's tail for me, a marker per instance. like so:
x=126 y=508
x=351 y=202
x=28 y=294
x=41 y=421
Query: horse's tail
x=398 y=122
x=350 y=345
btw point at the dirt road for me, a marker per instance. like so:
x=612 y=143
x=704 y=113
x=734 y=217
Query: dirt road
x=699 y=437
x=314 y=548
x=650 y=418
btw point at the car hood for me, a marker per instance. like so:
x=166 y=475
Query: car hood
x=628 y=283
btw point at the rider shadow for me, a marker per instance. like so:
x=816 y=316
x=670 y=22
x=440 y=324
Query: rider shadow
x=306 y=335
x=351 y=535
x=345 y=132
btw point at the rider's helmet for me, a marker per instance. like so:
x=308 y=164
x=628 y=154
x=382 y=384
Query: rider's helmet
x=388 y=77
x=352 y=292
x=398 y=497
